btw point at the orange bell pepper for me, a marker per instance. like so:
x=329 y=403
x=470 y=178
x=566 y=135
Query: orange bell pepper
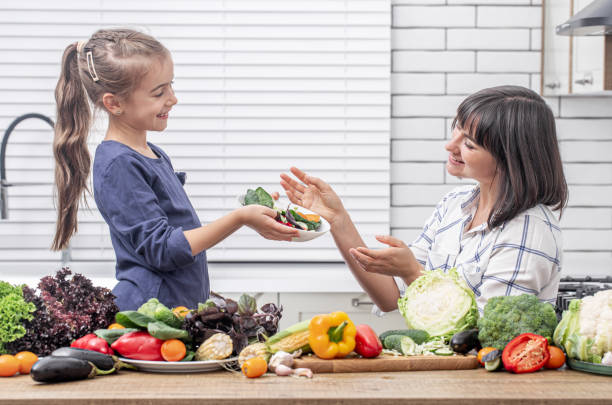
x=331 y=335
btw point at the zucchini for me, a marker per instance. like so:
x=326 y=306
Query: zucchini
x=417 y=335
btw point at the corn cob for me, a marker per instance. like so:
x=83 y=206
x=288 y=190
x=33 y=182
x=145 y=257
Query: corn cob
x=254 y=350
x=218 y=346
x=291 y=339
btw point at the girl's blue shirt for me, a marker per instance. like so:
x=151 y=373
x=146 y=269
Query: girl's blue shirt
x=146 y=208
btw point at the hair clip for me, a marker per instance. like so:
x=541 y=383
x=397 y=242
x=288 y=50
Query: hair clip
x=80 y=46
x=90 y=65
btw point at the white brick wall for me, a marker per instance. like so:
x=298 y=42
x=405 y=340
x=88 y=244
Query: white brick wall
x=444 y=50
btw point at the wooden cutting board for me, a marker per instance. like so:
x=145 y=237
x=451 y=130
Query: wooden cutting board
x=387 y=363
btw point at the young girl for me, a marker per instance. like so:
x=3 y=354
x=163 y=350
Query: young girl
x=159 y=242
x=500 y=233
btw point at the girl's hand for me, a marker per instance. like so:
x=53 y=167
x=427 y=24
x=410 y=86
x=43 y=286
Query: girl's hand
x=314 y=194
x=396 y=260
x=261 y=219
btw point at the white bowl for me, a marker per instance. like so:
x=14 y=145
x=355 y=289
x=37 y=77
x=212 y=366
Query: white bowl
x=303 y=235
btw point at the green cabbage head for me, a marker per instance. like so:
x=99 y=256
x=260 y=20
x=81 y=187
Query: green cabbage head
x=585 y=330
x=439 y=303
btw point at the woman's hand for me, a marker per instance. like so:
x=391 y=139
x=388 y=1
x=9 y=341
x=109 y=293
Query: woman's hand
x=261 y=219
x=396 y=260
x=314 y=194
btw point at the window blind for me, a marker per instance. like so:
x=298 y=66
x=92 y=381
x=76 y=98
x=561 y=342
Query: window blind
x=262 y=86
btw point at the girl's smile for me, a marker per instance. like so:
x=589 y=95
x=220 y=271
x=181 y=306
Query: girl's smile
x=163 y=116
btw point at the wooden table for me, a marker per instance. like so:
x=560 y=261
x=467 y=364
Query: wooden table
x=432 y=387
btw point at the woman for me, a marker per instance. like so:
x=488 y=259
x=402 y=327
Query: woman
x=500 y=233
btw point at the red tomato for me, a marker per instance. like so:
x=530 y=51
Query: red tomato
x=557 y=357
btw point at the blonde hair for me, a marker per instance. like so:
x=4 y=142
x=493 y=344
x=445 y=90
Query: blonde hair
x=111 y=61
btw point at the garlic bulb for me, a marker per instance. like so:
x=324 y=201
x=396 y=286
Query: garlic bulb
x=282 y=370
x=280 y=358
x=302 y=372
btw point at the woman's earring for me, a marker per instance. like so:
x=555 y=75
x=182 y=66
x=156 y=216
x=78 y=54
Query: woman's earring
x=118 y=113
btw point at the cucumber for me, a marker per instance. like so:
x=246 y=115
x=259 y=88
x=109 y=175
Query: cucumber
x=399 y=343
x=445 y=351
x=492 y=360
x=493 y=364
x=417 y=335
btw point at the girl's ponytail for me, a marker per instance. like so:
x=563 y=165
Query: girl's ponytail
x=72 y=159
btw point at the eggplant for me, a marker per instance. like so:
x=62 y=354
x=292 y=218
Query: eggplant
x=57 y=369
x=464 y=341
x=100 y=360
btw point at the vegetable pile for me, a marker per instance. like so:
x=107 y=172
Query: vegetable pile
x=585 y=330
x=66 y=308
x=439 y=303
x=506 y=317
x=240 y=320
x=289 y=217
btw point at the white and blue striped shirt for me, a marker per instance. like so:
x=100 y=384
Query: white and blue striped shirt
x=521 y=256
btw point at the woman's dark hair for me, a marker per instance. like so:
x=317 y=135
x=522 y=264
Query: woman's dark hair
x=518 y=128
x=111 y=61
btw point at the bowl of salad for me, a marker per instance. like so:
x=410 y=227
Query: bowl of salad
x=308 y=224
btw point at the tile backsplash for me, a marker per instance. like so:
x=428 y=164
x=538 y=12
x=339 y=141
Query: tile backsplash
x=443 y=50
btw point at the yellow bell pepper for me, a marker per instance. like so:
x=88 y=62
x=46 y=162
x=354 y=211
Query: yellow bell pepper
x=332 y=335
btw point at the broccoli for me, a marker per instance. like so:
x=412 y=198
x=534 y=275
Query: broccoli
x=508 y=316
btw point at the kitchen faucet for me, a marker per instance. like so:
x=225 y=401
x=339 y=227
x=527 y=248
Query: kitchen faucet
x=4 y=184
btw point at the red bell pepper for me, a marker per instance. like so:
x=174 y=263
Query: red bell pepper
x=92 y=342
x=526 y=353
x=139 y=346
x=367 y=342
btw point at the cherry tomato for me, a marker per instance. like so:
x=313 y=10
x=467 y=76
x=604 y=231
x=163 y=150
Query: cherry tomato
x=254 y=367
x=180 y=311
x=482 y=352
x=115 y=326
x=9 y=365
x=557 y=357
x=173 y=350
x=26 y=361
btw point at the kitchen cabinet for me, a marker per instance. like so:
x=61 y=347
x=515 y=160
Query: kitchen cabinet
x=555 y=49
x=587 y=60
x=573 y=64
